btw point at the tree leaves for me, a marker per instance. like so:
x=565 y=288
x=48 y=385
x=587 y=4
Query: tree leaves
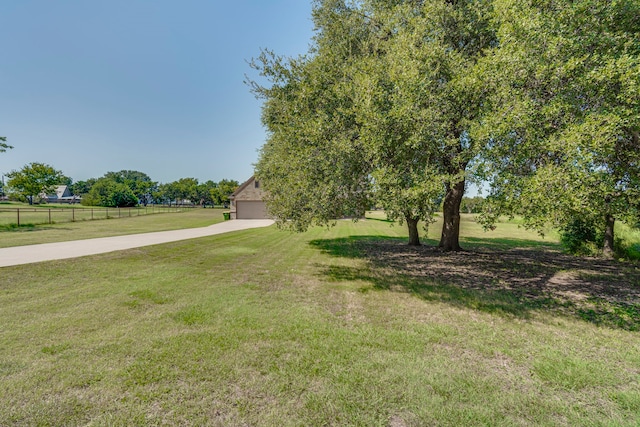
x=560 y=129
x=34 y=179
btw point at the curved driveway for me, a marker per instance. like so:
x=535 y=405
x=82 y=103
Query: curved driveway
x=77 y=248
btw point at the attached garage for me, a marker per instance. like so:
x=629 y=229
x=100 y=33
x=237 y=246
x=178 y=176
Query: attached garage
x=250 y=209
x=247 y=201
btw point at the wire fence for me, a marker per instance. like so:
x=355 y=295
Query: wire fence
x=40 y=215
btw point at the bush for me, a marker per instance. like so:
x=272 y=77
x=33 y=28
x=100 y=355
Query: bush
x=582 y=236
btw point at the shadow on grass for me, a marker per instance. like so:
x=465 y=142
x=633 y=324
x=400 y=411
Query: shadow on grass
x=473 y=243
x=16 y=227
x=389 y=221
x=504 y=276
x=27 y=228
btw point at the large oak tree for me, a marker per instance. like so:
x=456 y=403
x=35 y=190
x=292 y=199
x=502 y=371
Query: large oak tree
x=400 y=102
x=378 y=112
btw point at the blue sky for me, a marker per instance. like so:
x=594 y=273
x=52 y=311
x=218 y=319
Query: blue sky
x=149 y=85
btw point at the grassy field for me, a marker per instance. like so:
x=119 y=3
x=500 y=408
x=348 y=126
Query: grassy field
x=45 y=233
x=30 y=216
x=347 y=326
x=15 y=215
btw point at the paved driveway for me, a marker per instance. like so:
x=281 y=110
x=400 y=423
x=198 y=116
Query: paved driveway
x=77 y=248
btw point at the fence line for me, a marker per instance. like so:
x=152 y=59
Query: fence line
x=35 y=216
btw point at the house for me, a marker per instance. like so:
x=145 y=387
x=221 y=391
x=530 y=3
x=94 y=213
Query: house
x=247 y=201
x=62 y=194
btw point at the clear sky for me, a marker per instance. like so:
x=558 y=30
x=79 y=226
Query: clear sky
x=149 y=85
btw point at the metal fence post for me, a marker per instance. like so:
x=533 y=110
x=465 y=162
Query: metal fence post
x=18 y=210
x=73 y=214
x=49 y=215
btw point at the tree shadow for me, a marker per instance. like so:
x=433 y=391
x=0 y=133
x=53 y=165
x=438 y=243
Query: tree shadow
x=16 y=227
x=509 y=277
x=28 y=228
x=500 y=243
x=388 y=221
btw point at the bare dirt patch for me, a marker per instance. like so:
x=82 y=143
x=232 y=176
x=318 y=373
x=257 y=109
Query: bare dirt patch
x=512 y=281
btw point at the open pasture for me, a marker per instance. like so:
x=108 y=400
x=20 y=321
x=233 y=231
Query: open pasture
x=15 y=215
x=65 y=231
x=347 y=326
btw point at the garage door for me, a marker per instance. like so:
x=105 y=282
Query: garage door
x=250 y=210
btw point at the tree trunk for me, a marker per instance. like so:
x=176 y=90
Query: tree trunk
x=414 y=236
x=450 y=240
x=607 y=249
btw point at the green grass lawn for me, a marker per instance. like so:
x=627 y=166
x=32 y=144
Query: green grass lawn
x=30 y=235
x=347 y=326
x=16 y=216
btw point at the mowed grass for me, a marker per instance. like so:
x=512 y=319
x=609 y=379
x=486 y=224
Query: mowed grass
x=347 y=326
x=30 y=216
x=31 y=235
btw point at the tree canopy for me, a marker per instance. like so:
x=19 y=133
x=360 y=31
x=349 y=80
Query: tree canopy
x=34 y=180
x=110 y=193
x=124 y=188
x=139 y=182
x=379 y=112
x=206 y=193
x=223 y=189
x=400 y=103
x=80 y=188
x=563 y=129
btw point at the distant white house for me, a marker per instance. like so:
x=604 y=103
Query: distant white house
x=62 y=194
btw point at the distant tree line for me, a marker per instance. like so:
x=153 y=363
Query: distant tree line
x=126 y=188
x=471 y=205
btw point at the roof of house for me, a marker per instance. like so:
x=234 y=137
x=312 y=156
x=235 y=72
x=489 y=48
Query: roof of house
x=59 y=192
x=243 y=186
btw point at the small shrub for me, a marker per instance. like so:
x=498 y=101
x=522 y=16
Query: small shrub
x=632 y=252
x=582 y=237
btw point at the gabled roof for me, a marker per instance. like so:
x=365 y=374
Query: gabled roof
x=243 y=186
x=61 y=190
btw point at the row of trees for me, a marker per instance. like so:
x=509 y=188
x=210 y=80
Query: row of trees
x=206 y=193
x=125 y=188
x=400 y=102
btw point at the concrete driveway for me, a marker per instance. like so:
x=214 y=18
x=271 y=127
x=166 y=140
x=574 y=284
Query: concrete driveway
x=77 y=248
